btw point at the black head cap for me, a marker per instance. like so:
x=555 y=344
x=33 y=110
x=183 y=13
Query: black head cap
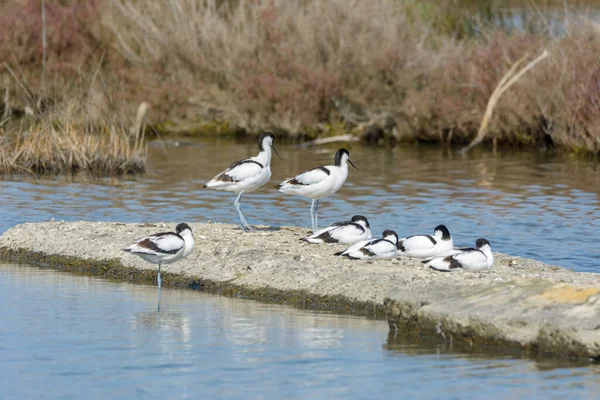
x=262 y=137
x=182 y=227
x=389 y=232
x=357 y=218
x=339 y=155
x=479 y=243
x=444 y=230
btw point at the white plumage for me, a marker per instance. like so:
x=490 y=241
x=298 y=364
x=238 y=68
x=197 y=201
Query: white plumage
x=425 y=246
x=347 y=232
x=319 y=182
x=470 y=259
x=246 y=176
x=165 y=247
x=378 y=248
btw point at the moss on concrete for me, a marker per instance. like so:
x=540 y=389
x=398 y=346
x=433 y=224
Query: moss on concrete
x=115 y=270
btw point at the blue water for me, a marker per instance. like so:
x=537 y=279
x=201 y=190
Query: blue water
x=526 y=204
x=68 y=337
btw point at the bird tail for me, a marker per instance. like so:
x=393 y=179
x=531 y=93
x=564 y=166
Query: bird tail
x=339 y=253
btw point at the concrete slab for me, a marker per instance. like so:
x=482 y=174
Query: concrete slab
x=520 y=303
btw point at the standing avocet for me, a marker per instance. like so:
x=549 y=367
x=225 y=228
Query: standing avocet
x=477 y=259
x=319 y=182
x=346 y=232
x=246 y=176
x=383 y=248
x=165 y=247
x=425 y=246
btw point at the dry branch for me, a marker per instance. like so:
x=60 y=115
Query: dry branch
x=506 y=82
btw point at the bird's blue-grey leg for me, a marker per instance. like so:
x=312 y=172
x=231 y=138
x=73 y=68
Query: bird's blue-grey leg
x=158 y=277
x=312 y=215
x=245 y=226
x=317 y=214
x=159 y=288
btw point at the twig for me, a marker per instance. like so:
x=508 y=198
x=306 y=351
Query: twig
x=138 y=127
x=43 y=83
x=28 y=92
x=506 y=82
x=7 y=109
x=97 y=70
x=333 y=139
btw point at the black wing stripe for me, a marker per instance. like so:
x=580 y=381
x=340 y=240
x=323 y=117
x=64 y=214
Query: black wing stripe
x=150 y=245
x=295 y=181
x=326 y=237
x=431 y=238
x=224 y=177
x=366 y=252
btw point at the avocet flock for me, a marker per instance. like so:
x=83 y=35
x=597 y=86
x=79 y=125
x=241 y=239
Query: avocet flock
x=245 y=176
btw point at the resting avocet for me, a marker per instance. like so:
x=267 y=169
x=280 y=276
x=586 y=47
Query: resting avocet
x=374 y=248
x=477 y=259
x=347 y=232
x=319 y=182
x=165 y=247
x=246 y=176
x=425 y=246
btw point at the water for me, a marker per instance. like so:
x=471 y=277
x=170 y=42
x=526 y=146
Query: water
x=64 y=335
x=527 y=204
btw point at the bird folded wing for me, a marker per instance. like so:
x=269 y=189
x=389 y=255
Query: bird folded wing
x=311 y=176
x=239 y=171
x=355 y=247
x=380 y=246
x=473 y=258
x=420 y=242
x=346 y=231
x=163 y=244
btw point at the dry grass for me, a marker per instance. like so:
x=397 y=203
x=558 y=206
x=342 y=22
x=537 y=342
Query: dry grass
x=421 y=70
x=278 y=63
x=61 y=148
x=78 y=126
x=81 y=118
x=295 y=65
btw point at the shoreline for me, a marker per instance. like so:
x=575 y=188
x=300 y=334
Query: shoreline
x=520 y=304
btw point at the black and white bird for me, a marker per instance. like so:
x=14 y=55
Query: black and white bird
x=319 y=182
x=383 y=248
x=425 y=246
x=479 y=258
x=246 y=176
x=346 y=232
x=165 y=247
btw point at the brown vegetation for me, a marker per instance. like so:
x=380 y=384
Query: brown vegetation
x=417 y=69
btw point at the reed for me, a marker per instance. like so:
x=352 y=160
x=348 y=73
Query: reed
x=54 y=144
x=67 y=148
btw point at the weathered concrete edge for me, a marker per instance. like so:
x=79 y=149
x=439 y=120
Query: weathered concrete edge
x=114 y=269
x=407 y=320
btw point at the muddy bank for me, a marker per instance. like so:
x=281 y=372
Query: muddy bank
x=521 y=303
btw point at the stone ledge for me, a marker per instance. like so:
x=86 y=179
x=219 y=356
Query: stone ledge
x=521 y=303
